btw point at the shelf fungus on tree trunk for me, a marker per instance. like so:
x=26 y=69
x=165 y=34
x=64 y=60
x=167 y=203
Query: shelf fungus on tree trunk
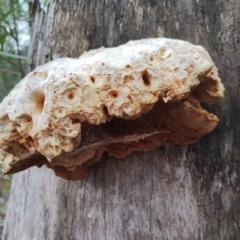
x=134 y=97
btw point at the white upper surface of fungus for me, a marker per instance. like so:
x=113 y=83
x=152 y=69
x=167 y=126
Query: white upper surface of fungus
x=44 y=112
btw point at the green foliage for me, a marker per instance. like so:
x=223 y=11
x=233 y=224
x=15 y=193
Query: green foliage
x=14 y=40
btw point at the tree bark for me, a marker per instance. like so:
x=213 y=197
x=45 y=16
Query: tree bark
x=174 y=192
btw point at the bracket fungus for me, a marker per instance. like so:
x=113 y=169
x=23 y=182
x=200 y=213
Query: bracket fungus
x=68 y=112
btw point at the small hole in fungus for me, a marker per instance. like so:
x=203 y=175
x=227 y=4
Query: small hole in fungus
x=28 y=119
x=105 y=111
x=92 y=79
x=29 y=139
x=128 y=78
x=146 y=76
x=70 y=96
x=114 y=93
x=127 y=66
x=39 y=99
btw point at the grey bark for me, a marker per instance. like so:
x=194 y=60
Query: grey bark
x=173 y=192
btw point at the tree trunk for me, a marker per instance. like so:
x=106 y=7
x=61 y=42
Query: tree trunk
x=174 y=192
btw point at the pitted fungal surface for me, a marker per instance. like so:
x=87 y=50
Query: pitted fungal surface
x=134 y=97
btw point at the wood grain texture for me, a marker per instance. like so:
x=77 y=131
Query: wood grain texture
x=172 y=193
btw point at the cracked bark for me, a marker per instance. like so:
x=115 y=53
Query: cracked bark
x=173 y=192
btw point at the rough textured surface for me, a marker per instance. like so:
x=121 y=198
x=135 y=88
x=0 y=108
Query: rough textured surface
x=55 y=108
x=172 y=193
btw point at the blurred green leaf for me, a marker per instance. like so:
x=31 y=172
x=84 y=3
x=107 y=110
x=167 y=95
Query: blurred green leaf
x=5 y=15
x=4 y=77
x=3 y=40
x=12 y=55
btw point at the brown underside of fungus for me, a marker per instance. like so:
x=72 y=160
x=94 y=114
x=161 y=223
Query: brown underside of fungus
x=134 y=97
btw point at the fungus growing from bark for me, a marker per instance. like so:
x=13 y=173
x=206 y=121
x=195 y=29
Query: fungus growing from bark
x=68 y=112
